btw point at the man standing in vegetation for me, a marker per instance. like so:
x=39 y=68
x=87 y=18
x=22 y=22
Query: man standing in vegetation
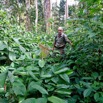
x=60 y=41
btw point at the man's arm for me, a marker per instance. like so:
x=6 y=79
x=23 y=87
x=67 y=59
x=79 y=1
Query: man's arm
x=67 y=40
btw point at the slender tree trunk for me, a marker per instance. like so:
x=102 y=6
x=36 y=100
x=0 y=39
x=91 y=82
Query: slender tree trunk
x=47 y=14
x=42 y=1
x=27 y=15
x=66 y=10
x=36 y=20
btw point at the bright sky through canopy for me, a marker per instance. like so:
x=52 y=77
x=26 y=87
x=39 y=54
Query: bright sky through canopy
x=70 y=2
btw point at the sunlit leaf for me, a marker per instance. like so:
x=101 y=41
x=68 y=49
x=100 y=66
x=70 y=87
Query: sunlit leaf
x=54 y=99
x=12 y=56
x=41 y=63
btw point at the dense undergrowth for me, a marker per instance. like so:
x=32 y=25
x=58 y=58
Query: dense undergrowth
x=27 y=77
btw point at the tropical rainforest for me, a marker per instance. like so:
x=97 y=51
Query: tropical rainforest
x=29 y=70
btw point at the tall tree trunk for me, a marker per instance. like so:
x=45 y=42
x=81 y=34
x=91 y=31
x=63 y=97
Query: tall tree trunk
x=27 y=15
x=47 y=14
x=66 y=10
x=36 y=20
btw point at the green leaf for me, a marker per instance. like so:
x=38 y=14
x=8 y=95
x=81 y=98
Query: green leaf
x=65 y=77
x=30 y=100
x=67 y=70
x=33 y=100
x=2 y=90
x=32 y=68
x=19 y=88
x=22 y=49
x=41 y=63
x=12 y=56
x=2 y=79
x=96 y=96
x=55 y=99
x=46 y=76
x=11 y=77
x=33 y=76
x=16 y=40
x=2 y=46
x=87 y=92
x=41 y=100
x=35 y=86
x=95 y=75
x=64 y=91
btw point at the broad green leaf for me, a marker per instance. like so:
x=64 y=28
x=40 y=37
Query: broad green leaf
x=33 y=100
x=19 y=88
x=32 y=68
x=70 y=72
x=22 y=49
x=33 y=76
x=22 y=57
x=11 y=77
x=54 y=99
x=21 y=99
x=87 y=78
x=16 y=40
x=101 y=99
x=12 y=56
x=72 y=100
x=46 y=76
x=96 y=96
x=41 y=100
x=21 y=73
x=87 y=92
x=65 y=77
x=30 y=100
x=64 y=91
x=95 y=74
x=2 y=46
x=67 y=70
x=41 y=63
x=61 y=71
x=61 y=86
x=2 y=90
x=35 y=86
x=2 y=79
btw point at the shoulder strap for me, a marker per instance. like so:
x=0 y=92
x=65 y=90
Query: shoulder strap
x=64 y=38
